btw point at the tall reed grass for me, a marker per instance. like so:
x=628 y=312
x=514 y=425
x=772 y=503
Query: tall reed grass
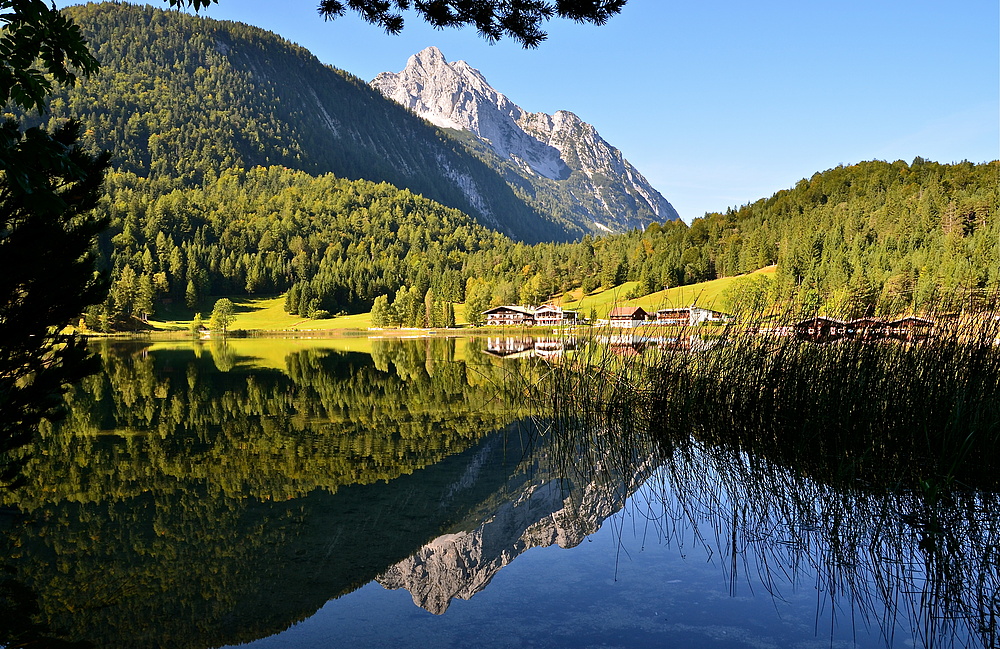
x=893 y=413
x=869 y=465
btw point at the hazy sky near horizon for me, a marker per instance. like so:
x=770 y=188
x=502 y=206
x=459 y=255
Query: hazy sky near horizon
x=720 y=104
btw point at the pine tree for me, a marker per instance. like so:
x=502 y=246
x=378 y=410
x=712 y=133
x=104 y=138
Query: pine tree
x=429 y=316
x=191 y=295
x=292 y=300
x=380 y=312
x=144 y=297
x=123 y=296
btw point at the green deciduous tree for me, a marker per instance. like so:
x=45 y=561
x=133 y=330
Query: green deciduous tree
x=223 y=315
x=38 y=45
x=380 y=312
x=477 y=300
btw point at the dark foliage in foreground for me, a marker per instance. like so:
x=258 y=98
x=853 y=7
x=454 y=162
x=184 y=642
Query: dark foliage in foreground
x=46 y=275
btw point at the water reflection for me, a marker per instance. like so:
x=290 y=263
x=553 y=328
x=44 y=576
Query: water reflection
x=181 y=502
x=539 y=508
x=217 y=494
x=529 y=346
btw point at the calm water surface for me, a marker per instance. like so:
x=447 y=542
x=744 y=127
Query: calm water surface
x=373 y=493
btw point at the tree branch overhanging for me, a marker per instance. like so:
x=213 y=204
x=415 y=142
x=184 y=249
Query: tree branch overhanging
x=518 y=20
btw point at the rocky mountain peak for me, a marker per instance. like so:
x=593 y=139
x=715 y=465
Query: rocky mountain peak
x=456 y=95
x=428 y=55
x=539 y=147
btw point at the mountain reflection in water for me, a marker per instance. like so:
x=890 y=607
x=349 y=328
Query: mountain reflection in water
x=542 y=513
x=202 y=496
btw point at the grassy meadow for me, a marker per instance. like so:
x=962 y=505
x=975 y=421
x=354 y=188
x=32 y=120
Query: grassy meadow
x=704 y=294
x=259 y=314
x=268 y=314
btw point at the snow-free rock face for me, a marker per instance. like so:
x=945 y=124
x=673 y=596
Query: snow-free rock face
x=538 y=509
x=462 y=564
x=454 y=95
x=560 y=155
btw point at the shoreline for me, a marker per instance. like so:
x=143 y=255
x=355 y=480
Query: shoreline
x=458 y=332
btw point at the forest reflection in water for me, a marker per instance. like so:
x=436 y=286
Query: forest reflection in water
x=208 y=495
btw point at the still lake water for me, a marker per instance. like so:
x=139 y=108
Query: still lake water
x=377 y=493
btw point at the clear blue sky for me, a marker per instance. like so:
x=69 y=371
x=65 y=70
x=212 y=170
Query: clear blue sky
x=721 y=103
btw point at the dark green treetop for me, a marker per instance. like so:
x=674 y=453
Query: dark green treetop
x=494 y=19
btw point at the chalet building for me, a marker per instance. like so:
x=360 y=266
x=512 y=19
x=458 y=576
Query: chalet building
x=689 y=316
x=820 y=327
x=678 y=317
x=546 y=315
x=552 y=316
x=627 y=316
x=510 y=315
x=866 y=328
x=910 y=327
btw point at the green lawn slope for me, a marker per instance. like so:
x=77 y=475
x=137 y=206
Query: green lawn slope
x=704 y=294
x=268 y=313
x=258 y=313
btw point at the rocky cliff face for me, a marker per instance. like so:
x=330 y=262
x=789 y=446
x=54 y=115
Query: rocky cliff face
x=564 y=159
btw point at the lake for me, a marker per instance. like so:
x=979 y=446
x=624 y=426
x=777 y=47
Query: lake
x=419 y=493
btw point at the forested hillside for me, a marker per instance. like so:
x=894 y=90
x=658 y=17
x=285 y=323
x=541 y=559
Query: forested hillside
x=337 y=243
x=867 y=236
x=185 y=98
x=873 y=236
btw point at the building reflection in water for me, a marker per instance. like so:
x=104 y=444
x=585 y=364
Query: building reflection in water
x=529 y=346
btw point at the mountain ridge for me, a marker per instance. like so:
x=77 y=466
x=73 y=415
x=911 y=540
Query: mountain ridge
x=544 y=150
x=185 y=97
